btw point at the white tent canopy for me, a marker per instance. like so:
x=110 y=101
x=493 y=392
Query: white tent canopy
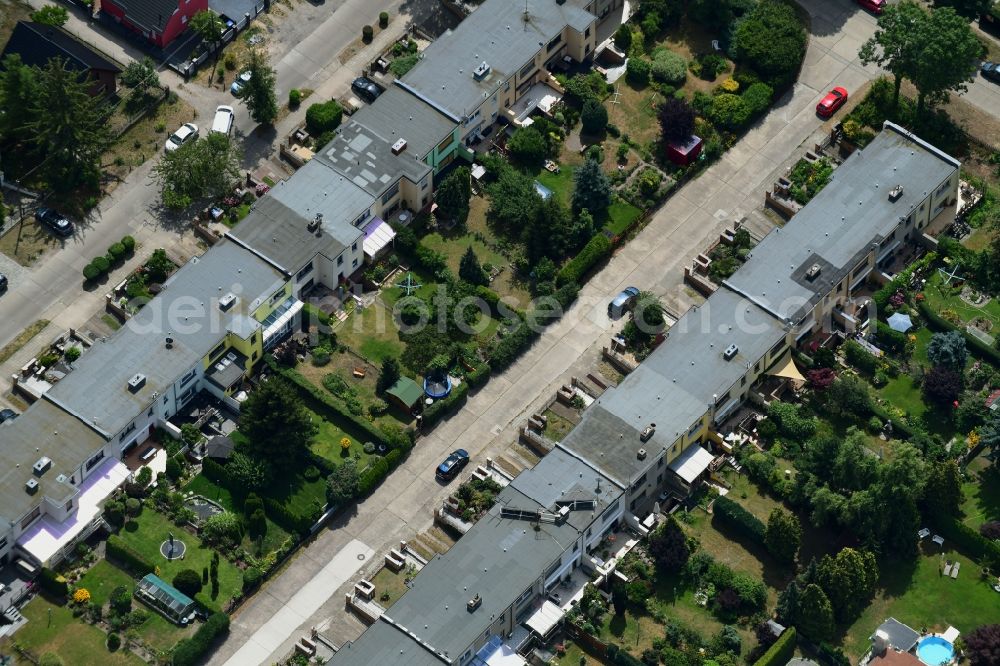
x=691 y=463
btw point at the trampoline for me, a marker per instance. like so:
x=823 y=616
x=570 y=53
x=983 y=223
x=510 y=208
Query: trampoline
x=437 y=386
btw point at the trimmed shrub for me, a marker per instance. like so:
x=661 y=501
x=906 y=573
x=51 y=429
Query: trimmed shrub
x=511 y=346
x=102 y=264
x=383 y=19
x=190 y=651
x=114 y=642
x=252 y=578
x=757 y=98
x=288 y=519
x=125 y=555
x=323 y=117
x=91 y=272
x=637 y=71
x=781 y=652
x=116 y=251
x=187 y=581
x=596 y=250
x=367 y=33
x=479 y=375
x=52 y=583
x=294 y=98
x=733 y=514
x=669 y=67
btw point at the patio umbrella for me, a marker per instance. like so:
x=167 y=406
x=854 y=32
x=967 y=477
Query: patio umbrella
x=900 y=322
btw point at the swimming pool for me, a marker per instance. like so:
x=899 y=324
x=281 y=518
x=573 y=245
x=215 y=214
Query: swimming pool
x=935 y=651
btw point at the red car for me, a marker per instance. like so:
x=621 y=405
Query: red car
x=833 y=101
x=874 y=6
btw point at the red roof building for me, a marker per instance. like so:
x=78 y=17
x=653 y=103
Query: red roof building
x=159 y=21
x=681 y=153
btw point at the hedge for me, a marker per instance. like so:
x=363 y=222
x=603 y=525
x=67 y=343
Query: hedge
x=190 y=651
x=620 y=657
x=511 y=346
x=52 y=583
x=734 y=515
x=970 y=541
x=289 y=518
x=976 y=346
x=781 y=652
x=595 y=251
x=372 y=476
x=118 y=550
x=479 y=375
x=441 y=408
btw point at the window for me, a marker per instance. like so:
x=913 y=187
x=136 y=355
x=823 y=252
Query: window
x=506 y=86
x=659 y=463
x=3 y=542
x=130 y=428
x=552 y=569
x=189 y=376
x=524 y=595
x=777 y=348
x=756 y=367
x=37 y=511
x=253 y=356
x=423 y=184
x=695 y=428
x=674 y=448
x=386 y=198
x=354 y=263
x=638 y=482
x=554 y=43
x=526 y=70
x=277 y=296
x=304 y=272
x=743 y=381
x=165 y=398
x=69 y=505
x=340 y=260
x=354 y=247
x=444 y=144
x=609 y=513
x=217 y=351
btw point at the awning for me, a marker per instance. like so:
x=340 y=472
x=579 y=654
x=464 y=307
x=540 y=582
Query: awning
x=786 y=368
x=544 y=620
x=378 y=235
x=47 y=537
x=497 y=653
x=690 y=464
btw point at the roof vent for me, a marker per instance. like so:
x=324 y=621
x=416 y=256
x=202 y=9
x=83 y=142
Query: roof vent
x=482 y=71
x=813 y=272
x=474 y=603
x=730 y=352
x=895 y=193
x=399 y=146
x=647 y=432
x=41 y=466
x=169 y=342
x=137 y=381
x=641 y=454
x=61 y=478
x=31 y=486
x=227 y=301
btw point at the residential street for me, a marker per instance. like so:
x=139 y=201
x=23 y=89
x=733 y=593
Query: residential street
x=654 y=260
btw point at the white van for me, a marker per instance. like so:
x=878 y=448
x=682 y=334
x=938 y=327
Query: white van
x=223 y=122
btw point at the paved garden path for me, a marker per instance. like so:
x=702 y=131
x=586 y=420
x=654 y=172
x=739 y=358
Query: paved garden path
x=729 y=190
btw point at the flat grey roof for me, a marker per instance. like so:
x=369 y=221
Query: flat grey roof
x=496 y=33
x=42 y=430
x=187 y=311
x=277 y=227
x=398 y=113
x=839 y=225
x=675 y=385
x=499 y=558
x=366 y=158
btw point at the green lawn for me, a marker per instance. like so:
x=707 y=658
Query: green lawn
x=919 y=596
x=388 y=582
x=327 y=444
x=154 y=528
x=560 y=183
x=454 y=245
x=573 y=654
x=275 y=536
x=941 y=298
x=77 y=642
x=621 y=215
x=101 y=579
x=371 y=332
x=160 y=633
x=981 y=495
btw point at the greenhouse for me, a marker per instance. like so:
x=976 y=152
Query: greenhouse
x=165 y=598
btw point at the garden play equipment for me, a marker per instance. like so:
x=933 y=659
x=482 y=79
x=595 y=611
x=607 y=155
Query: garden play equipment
x=953 y=275
x=437 y=385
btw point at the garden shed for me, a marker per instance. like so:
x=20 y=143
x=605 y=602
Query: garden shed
x=405 y=393
x=681 y=153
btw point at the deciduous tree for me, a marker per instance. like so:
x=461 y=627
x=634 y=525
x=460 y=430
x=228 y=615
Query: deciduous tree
x=344 y=484
x=51 y=15
x=278 y=426
x=894 y=46
x=453 y=194
x=513 y=199
x=204 y=168
x=676 y=120
x=258 y=92
x=848 y=580
x=815 y=614
x=209 y=26
x=527 y=145
x=967 y=8
x=668 y=546
x=942 y=385
x=772 y=41
x=783 y=535
x=982 y=645
x=943 y=492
